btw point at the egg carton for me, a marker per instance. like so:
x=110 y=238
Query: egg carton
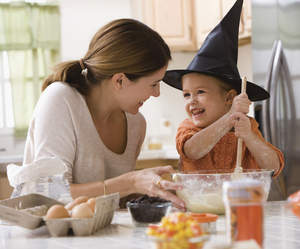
x=20 y=211
x=14 y=210
x=104 y=211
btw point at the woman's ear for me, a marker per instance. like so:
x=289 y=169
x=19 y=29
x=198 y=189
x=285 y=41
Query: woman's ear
x=118 y=80
x=230 y=96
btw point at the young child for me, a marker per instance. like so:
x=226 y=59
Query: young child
x=211 y=87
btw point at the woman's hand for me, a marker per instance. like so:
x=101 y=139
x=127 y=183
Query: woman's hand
x=150 y=182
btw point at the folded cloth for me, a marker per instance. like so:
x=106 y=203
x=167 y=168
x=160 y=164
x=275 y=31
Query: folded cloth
x=43 y=167
x=44 y=176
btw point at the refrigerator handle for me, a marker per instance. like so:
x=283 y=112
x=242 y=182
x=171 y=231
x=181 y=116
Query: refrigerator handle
x=280 y=63
x=290 y=124
x=266 y=103
x=273 y=94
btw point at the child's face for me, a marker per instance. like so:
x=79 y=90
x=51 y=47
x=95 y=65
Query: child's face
x=206 y=101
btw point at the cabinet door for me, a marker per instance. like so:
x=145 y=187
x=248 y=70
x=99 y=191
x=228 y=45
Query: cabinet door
x=173 y=20
x=210 y=13
x=245 y=23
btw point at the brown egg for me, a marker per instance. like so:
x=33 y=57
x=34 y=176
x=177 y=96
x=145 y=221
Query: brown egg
x=92 y=203
x=57 y=211
x=75 y=202
x=82 y=210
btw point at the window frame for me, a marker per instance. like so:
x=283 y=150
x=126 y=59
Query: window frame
x=5 y=128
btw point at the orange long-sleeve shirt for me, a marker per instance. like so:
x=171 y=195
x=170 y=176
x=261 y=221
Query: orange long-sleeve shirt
x=223 y=154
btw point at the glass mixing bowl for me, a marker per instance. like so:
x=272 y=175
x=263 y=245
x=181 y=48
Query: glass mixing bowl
x=202 y=191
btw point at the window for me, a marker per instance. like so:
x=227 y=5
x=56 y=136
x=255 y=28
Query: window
x=28 y=1
x=29 y=47
x=6 y=109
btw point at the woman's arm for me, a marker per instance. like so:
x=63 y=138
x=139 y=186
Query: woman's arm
x=147 y=181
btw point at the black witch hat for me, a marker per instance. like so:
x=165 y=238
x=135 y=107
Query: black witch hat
x=218 y=57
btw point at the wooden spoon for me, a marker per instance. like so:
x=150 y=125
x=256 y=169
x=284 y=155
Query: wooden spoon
x=238 y=168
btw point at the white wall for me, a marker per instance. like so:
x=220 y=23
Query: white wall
x=81 y=19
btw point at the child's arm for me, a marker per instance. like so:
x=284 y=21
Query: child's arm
x=204 y=140
x=263 y=154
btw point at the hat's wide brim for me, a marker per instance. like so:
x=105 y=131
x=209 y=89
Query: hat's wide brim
x=254 y=92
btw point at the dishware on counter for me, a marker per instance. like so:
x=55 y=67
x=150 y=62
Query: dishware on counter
x=294 y=203
x=15 y=211
x=207 y=221
x=177 y=230
x=20 y=210
x=170 y=243
x=145 y=210
x=202 y=191
x=244 y=200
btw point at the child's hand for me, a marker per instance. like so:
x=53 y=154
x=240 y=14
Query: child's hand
x=241 y=104
x=242 y=126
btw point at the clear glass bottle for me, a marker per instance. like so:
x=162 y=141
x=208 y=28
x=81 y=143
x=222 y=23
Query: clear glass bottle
x=243 y=201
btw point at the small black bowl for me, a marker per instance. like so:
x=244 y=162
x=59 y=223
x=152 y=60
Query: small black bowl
x=147 y=209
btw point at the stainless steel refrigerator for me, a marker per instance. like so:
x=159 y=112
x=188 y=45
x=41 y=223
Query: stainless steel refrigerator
x=276 y=67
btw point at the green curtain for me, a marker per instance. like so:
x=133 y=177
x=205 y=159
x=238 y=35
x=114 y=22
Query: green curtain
x=30 y=33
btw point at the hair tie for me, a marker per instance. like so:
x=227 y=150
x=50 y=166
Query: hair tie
x=84 y=70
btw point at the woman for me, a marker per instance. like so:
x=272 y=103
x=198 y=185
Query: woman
x=88 y=114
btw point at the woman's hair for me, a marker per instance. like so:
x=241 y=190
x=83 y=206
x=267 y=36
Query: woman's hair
x=122 y=46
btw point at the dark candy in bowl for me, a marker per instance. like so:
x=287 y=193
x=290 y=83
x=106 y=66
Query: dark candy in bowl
x=147 y=209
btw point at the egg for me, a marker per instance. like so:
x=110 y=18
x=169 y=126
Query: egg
x=92 y=203
x=82 y=211
x=57 y=211
x=76 y=201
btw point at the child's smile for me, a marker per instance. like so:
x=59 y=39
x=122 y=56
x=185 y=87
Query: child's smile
x=196 y=112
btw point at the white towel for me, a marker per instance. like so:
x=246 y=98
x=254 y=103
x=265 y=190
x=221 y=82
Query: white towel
x=32 y=172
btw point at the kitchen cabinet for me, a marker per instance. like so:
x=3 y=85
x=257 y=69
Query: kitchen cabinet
x=184 y=24
x=210 y=13
x=173 y=20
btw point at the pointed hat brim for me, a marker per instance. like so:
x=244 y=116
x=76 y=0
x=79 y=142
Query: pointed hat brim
x=254 y=92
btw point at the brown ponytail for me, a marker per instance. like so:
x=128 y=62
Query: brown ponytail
x=69 y=72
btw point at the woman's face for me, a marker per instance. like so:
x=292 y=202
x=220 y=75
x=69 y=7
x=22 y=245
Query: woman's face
x=205 y=100
x=135 y=93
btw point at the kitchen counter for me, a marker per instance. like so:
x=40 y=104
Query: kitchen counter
x=11 y=149
x=282 y=230
x=166 y=152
